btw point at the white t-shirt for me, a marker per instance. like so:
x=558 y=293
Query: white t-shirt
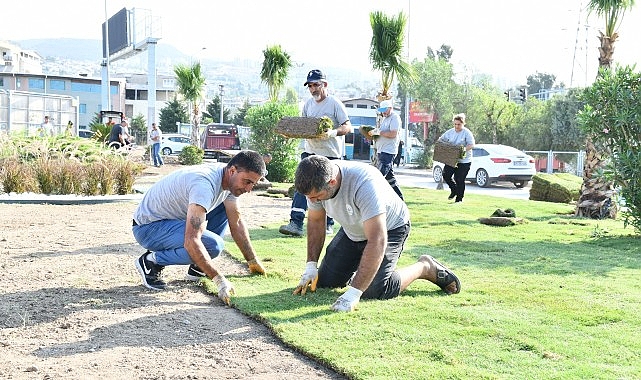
x=386 y=144
x=335 y=110
x=364 y=194
x=170 y=197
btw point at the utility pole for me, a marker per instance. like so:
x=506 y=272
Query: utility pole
x=222 y=93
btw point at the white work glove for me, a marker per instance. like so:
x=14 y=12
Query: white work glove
x=330 y=133
x=255 y=266
x=225 y=289
x=309 y=278
x=348 y=301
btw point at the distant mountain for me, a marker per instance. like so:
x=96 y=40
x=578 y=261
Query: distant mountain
x=84 y=49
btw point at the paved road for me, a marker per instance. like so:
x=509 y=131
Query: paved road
x=411 y=177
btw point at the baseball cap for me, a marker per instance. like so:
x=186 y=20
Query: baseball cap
x=314 y=76
x=385 y=104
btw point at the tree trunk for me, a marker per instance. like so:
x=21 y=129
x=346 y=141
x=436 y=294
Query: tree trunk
x=596 y=193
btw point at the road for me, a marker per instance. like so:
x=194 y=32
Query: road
x=410 y=177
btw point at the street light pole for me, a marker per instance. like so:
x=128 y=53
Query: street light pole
x=222 y=93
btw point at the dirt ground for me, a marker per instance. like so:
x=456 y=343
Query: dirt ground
x=72 y=305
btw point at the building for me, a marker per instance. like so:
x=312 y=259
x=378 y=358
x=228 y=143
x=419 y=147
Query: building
x=22 y=72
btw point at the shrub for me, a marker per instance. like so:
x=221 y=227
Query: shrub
x=15 y=177
x=262 y=120
x=191 y=155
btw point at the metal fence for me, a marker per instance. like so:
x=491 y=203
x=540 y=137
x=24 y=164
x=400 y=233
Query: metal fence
x=558 y=162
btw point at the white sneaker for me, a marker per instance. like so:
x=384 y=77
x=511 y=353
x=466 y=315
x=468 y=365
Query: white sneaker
x=329 y=230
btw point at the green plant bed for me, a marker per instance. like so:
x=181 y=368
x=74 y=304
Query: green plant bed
x=64 y=165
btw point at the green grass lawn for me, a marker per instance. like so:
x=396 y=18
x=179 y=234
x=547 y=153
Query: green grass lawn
x=554 y=298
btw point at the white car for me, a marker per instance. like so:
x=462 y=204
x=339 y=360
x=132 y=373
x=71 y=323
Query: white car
x=493 y=163
x=173 y=143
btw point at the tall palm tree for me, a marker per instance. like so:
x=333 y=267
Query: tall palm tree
x=596 y=193
x=191 y=85
x=386 y=51
x=275 y=69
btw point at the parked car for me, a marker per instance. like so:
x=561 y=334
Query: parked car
x=173 y=143
x=85 y=133
x=493 y=163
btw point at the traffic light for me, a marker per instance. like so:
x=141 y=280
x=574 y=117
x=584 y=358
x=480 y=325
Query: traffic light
x=507 y=95
x=523 y=94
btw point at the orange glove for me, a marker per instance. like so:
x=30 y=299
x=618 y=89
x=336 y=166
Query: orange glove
x=255 y=266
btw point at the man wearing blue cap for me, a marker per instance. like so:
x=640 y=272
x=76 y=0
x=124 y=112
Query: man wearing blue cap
x=387 y=143
x=330 y=145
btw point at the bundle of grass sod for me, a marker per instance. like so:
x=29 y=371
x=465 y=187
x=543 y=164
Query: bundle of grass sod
x=558 y=187
x=304 y=127
x=365 y=130
x=447 y=153
x=502 y=218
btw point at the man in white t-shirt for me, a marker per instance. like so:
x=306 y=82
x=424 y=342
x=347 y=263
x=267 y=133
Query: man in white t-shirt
x=387 y=142
x=331 y=145
x=375 y=223
x=180 y=220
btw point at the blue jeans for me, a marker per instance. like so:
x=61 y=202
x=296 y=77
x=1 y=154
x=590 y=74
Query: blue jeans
x=167 y=237
x=343 y=256
x=386 y=167
x=299 y=203
x=155 y=153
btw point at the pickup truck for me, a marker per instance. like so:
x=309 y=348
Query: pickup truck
x=218 y=139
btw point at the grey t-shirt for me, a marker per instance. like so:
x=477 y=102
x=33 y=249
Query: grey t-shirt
x=364 y=194
x=170 y=197
x=464 y=137
x=386 y=144
x=335 y=110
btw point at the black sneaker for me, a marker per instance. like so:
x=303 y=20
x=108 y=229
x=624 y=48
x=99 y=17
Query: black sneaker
x=452 y=196
x=150 y=273
x=194 y=273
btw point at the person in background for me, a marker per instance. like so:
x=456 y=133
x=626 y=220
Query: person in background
x=116 y=137
x=461 y=136
x=375 y=224
x=399 y=153
x=127 y=138
x=156 y=137
x=46 y=128
x=330 y=146
x=387 y=143
x=180 y=222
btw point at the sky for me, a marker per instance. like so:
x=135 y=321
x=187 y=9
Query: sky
x=507 y=39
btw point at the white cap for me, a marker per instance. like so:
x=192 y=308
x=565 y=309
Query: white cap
x=385 y=104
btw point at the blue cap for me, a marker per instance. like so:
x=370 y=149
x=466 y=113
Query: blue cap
x=314 y=76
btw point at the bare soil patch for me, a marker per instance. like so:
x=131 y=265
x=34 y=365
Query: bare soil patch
x=72 y=306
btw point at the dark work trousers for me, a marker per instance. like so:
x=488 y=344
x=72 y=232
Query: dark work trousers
x=386 y=167
x=457 y=186
x=343 y=255
x=299 y=203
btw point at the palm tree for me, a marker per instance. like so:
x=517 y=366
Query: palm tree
x=191 y=84
x=275 y=70
x=596 y=193
x=386 y=51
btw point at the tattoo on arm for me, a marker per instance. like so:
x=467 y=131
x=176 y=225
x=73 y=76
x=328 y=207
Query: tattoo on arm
x=195 y=222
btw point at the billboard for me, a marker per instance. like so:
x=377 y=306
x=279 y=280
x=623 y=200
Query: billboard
x=420 y=113
x=119 y=36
